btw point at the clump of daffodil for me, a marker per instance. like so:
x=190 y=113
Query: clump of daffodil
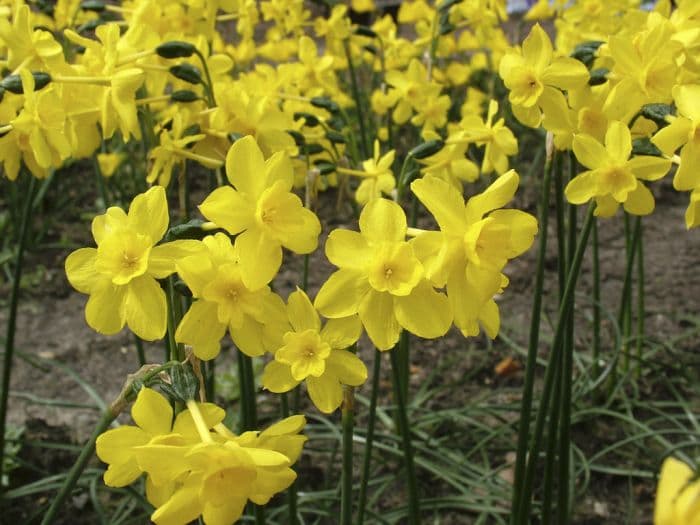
x=377 y=177
x=535 y=73
x=223 y=301
x=381 y=279
x=474 y=243
x=677 y=495
x=304 y=351
x=120 y=274
x=262 y=210
x=613 y=178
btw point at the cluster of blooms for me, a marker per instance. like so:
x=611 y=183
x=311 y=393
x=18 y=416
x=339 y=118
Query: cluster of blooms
x=194 y=464
x=385 y=283
x=626 y=118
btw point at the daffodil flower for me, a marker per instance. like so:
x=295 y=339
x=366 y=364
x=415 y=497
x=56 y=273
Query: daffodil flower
x=613 y=177
x=499 y=140
x=318 y=356
x=683 y=130
x=376 y=175
x=223 y=303
x=381 y=279
x=215 y=477
x=534 y=74
x=153 y=416
x=262 y=210
x=120 y=274
x=39 y=129
x=474 y=243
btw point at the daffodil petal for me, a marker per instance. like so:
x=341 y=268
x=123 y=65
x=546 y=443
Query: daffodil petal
x=424 y=312
x=145 y=308
x=378 y=317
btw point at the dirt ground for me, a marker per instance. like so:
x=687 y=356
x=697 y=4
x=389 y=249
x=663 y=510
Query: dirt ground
x=52 y=332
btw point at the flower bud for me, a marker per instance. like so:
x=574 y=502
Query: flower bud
x=184 y=95
x=186 y=72
x=427 y=149
x=175 y=49
x=13 y=83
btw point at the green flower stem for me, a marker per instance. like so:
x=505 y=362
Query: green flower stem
x=86 y=453
x=356 y=96
x=405 y=429
x=100 y=181
x=554 y=409
x=563 y=504
x=626 y=324
x=596 y=301
x=531 y=364
x=640 y=300
x=523 y=510
x=551 y=453
x=174 y=308
x=369 y=439
x=209 y=86
x=561 y=224
x=292 y=492
x=139 y=350
x=346 y=484
x=12 y=316
x=625 y=301
x=249 y=414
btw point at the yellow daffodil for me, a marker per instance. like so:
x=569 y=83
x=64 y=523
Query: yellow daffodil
x=224 y=302
x=684 y=130
x=260 y=207
x=646 y=67
x=678 y=495
x=473 y=245
x=215 y=477
x=381 y=279
x=613 y=177
x=377 y=177
x=172 y=150
x=29 y=48
x=534 y=74
x=120 y=274
x=153 y=416
x=451 y=164
x=499 y=140
x=39 y=129
x=114 y=88
x=318 y=356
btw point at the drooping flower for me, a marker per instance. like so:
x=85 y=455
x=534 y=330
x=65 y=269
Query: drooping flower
x=474 y=243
